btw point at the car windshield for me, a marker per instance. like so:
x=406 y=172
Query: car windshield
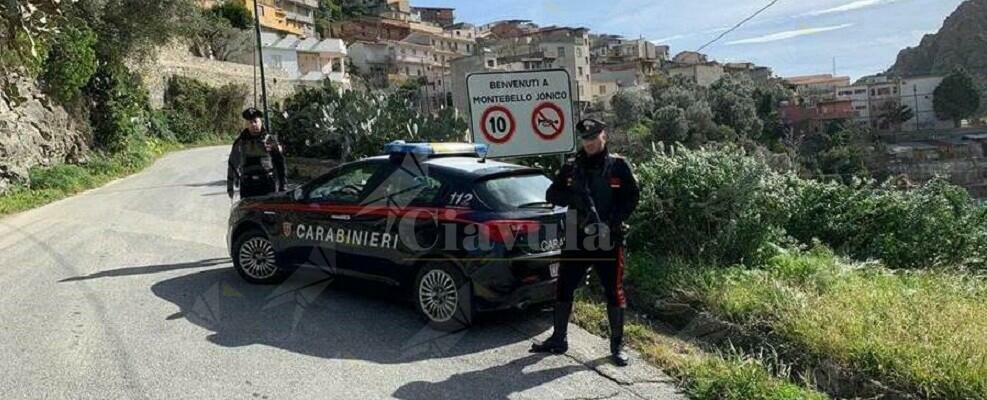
x=514 y=192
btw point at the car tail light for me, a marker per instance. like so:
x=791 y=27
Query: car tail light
x=500 y=231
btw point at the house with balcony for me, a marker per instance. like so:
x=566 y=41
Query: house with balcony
x=303 y=60
x=284 y=17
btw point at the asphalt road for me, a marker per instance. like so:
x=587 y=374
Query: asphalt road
x=126 y=292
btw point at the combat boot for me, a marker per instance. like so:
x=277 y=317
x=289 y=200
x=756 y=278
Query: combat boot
x=557 y=343
x=616 y=317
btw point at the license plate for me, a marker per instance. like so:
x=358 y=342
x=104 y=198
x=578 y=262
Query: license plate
x=553 y=270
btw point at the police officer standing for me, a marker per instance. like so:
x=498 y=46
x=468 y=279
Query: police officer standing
x=600 y=189
x=256 y=164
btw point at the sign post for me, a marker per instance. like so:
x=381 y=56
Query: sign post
x=521 y=114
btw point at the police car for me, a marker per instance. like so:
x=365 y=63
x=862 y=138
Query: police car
x=463 y=233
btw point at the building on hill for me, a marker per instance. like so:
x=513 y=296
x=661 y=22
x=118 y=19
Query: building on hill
x=813 y=88
x=814 y=119
x=294 y=17
x=753 y=72
x=528 y=48
x=483 y=61
x=440 y=16
x=306 y=59
x=875 y=98
x=506 y=29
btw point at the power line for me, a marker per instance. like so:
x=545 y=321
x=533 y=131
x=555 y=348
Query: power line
x=739 y=24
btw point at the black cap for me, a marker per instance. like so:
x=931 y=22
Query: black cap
x=252 y=113
x=590 y=128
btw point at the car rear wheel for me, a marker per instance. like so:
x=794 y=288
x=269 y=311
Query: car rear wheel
x=255 y=260
x=444 y=297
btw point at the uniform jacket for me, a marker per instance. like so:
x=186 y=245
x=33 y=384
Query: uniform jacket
x=251 y=155
x=606 y=178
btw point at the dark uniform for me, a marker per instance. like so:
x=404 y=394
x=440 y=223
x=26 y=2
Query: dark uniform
x=602 y=193
x=256 y=163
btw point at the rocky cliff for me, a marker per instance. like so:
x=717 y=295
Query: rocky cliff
x=34 y=131
x=961 y=42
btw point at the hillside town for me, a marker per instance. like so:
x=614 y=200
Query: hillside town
x=397 y=42
x=350 y=199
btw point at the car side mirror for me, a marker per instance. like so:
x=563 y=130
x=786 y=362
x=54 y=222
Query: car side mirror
x=298 y=194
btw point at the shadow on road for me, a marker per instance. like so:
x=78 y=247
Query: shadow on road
x=149 y=269
x=493 y=383
x=318 y=315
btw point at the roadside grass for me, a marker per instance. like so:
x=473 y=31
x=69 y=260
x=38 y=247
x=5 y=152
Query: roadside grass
x=60 y=181
x=920 y=332
x=701 y=375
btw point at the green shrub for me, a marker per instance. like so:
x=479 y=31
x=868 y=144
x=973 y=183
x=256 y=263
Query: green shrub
x=936 y=224
x=197 y=112
x=67 y=178
x=326 y=122
x=238 y=15
x=718 y=206
x=71 y=61
x=120 y=106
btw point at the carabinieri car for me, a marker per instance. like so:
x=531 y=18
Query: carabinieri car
x=463 y=233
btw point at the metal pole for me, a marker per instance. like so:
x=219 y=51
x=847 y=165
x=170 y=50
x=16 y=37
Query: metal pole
x=260 y=57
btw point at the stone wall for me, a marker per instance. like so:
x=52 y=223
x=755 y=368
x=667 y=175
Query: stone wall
x=35 y=131
x=962 y=163
x=174 y=59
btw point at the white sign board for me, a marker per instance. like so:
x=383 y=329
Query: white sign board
x=522 y=113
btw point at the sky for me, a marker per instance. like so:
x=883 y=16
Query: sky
x=793 y=37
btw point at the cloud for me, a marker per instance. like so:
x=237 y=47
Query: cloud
x=665 y=40
x=774 y=37
x=856 y=5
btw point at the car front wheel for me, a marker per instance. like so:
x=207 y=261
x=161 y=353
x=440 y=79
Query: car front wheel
x=255 y=260
x=444 y=297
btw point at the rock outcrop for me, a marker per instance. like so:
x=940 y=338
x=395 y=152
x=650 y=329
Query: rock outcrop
x=961 y=42
x=34 y=131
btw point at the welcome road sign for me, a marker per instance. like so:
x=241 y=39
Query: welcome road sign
x=522 y=113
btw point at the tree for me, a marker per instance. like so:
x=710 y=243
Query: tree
x=629 y=107
x=236 y=13
x=733 y=104
x=71 y=61
x=670 y=124
x=957 y=97
x=897 y=114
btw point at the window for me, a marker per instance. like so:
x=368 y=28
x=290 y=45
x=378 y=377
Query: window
x=346 y=187
x=561 y=51
x=403 y=188
x=514 y=192
x=579 y=70
x=603 y=89
x=490 y=63
x=579 y=51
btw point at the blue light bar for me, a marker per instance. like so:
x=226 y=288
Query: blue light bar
x=431 y=149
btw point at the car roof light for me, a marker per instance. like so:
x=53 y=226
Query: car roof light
x=435 y=149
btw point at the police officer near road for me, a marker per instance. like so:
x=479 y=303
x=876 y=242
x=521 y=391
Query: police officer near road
x=256 y=165
x=600 y=189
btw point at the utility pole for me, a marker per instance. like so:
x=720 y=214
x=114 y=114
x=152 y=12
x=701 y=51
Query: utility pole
x=260 y=58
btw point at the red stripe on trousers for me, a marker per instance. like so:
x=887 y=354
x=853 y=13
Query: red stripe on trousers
x=621 y=299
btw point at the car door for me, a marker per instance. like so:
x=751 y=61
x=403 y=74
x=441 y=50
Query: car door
x=404 y=205
x=329 y=225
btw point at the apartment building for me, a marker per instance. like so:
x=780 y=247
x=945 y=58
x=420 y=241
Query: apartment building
x=550 y=47
x=283 y=17
x=873 y=98
x=308 y=59
x=812 y=88
x=436 y=15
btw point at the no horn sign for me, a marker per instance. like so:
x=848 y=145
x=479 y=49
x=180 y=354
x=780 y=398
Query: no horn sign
x=522 y=113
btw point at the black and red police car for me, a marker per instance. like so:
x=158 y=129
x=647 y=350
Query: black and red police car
x=465 y=234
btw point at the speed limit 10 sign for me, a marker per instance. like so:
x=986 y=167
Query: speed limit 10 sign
x=522 y=113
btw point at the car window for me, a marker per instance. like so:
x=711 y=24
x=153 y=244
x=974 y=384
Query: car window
x=347 y=187
x=513 y=192
x=402 y=187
